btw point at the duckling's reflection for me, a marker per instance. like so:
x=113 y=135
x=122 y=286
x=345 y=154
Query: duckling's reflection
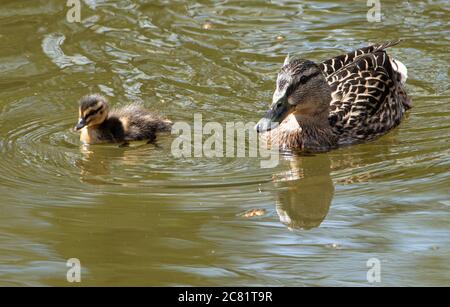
x=92 y=165
x=305 y=191
x=96 y=162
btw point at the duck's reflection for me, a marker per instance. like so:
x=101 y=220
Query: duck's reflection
x=304 y=192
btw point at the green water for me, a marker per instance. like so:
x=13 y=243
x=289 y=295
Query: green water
x=139 y=216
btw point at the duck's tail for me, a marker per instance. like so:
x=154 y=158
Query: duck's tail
x=401 y=74
x=400 y=69
x=397 y=66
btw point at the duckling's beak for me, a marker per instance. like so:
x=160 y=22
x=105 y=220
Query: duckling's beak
x=80 y=125
x=277 y=113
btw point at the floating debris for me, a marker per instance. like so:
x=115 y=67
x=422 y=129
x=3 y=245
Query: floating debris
x=207 y=26
x=280 y=38
x=334 y=246
x=253 y=213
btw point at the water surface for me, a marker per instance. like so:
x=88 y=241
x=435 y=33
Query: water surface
x=139 y=216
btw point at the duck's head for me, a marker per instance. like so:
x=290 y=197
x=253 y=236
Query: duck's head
x=93 y=110
x=301 y=90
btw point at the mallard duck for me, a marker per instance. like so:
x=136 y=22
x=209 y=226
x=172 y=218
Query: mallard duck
x=131 y=123
x=351 y=98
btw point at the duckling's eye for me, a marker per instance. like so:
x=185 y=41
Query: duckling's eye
x=91 y=113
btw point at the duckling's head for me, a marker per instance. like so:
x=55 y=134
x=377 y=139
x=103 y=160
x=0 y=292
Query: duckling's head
x=301 y=90
x=93 y=110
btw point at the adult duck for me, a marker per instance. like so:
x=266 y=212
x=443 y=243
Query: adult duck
x=348 y=99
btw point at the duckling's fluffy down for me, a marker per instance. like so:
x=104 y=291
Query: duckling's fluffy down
x=139 y=123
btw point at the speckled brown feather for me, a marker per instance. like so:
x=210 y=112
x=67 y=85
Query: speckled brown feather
x=367 y=97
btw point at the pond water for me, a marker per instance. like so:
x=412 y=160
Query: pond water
x=139 y=216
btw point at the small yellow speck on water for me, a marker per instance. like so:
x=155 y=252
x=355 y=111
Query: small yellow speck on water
x=207 y=26
x=253 y=213
x=280 y=38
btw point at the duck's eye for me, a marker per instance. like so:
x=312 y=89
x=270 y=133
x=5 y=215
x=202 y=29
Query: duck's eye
x=306 y=78
x=303 y=79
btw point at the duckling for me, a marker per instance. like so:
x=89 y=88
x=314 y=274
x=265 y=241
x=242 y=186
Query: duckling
x=99 y=124
x=351 y=98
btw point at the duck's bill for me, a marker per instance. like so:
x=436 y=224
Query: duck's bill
x=277 y=113
x=80 y=125
x=265 y=125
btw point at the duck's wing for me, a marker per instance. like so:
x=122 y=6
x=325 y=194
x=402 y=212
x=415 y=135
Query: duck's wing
x=367 y=99
x=332 y=65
